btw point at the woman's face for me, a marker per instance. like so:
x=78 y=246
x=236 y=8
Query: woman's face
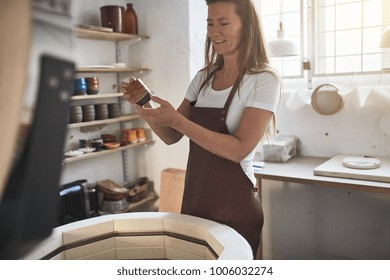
x=224 y=28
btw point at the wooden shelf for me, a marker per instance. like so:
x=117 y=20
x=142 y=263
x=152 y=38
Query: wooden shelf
x=107 y=152
x=95 y=96
x=108 y=70
x=108 y=36
x=106 y=121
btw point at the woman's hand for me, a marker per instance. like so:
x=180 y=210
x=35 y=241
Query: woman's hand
x=164 y=115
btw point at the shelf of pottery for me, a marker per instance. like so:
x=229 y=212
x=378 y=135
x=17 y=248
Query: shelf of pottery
x=90 y=107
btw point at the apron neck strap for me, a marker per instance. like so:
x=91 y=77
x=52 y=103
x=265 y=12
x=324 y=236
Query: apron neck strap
x=229 y=99
x=231 y=94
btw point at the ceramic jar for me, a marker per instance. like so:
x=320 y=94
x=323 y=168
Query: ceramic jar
x=88 y=113
x=92 y=85
x=112 y=17
x=79 y=86
x=130 y=20
x=101 y=111
x=141 y=134
x=75 y=114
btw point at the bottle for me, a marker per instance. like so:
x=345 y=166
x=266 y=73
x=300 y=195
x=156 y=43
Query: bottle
x=130 y=21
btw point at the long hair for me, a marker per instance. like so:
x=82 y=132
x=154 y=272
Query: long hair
x=253 y=56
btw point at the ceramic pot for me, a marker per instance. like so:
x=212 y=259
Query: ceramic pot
x=92 y=85
x=79 y=86
x=112 y=17
x=130 y=21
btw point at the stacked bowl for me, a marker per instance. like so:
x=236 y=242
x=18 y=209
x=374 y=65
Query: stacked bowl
x=101 y=111
x=88 y=113
x=75 y=114
x=114 y=110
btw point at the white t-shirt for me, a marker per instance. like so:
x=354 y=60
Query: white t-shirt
x=260 y=90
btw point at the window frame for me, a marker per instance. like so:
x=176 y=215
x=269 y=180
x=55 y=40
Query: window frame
x=313 y=37
x=302 y=44
x=309 y=40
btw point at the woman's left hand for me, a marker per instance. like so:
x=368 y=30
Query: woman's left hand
x=164 y=115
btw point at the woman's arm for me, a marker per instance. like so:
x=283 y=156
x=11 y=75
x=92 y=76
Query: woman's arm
x=252 y=127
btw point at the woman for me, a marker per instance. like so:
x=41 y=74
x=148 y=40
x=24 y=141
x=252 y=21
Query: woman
x=226 y=112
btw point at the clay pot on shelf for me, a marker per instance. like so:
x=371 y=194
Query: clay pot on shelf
x=141 y=134
x=114 y=110
x=92 y=85
x=88 y=113
x=112 y=17
x=75 y=114
x=101 y=111
x=79 y=86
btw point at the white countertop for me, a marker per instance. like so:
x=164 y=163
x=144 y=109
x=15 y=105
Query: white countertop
x=300 y=170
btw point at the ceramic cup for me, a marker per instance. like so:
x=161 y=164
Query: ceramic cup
x=112 y=17
x=82 y=143
x=75 y=114
x=101 y=111
x=113 y=110
x=92 y=85
x=79 y=86
x=88 y=113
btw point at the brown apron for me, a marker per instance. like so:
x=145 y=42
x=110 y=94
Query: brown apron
x=218 y=189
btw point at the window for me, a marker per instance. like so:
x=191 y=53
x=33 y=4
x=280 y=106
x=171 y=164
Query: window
x=289 y=12
x=347 y=35
x=337 y=36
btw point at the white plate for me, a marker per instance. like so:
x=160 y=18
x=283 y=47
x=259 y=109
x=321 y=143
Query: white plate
x=75 y=153
x=97 y=66
x=94 y=27
x=361 y=162
x=87 y=150
x=119 y=65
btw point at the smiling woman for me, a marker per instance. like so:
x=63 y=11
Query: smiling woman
x=227 y=110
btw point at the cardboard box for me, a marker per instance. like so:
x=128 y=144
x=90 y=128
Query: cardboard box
x=171 y=190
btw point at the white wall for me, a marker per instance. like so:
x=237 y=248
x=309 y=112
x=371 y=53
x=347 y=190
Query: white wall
x=197 y=34
x=354 y=131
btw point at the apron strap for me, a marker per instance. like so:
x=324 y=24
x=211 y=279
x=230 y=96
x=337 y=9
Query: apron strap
x=228 y=100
